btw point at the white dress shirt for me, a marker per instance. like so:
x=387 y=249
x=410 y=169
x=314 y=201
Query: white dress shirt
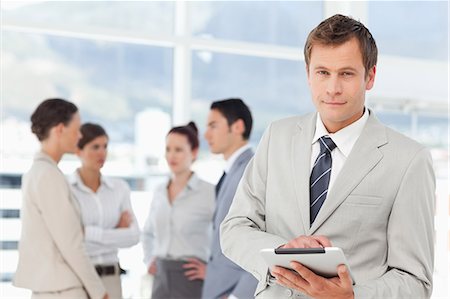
x=344 y=139
x=100 y=214
x=181 y=229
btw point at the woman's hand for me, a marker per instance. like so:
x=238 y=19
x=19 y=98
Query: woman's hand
x=196 y=269
x=152 y=268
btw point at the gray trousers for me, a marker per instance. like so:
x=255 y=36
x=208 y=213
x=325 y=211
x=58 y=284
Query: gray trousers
x=170 y=282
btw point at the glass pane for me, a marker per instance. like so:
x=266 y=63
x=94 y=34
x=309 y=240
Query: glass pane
x=272 y=88
x=113 y=84
x=155 y=17
x=398 y=121
x=410 y=28
x=274 y=22
x=433 y=130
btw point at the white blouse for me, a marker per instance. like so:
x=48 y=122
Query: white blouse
x=181 y=229
x=100 y=214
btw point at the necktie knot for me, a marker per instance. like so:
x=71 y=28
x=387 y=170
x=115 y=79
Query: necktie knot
x=326 y=144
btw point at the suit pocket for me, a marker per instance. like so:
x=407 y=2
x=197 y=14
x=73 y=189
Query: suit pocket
x=363 y=200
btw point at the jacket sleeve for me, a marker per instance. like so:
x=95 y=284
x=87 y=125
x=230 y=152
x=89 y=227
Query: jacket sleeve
x=410 y=237
x=64 y=224
x=243 y=231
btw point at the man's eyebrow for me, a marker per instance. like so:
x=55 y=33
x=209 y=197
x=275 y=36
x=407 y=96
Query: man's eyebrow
x=348 y=68
x=345 y=68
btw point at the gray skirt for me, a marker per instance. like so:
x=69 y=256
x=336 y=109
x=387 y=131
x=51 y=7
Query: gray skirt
x=170 y=283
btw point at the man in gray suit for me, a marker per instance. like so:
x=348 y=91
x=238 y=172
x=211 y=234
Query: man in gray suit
x=340 y=178
x=229 y=127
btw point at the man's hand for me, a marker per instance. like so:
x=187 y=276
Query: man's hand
x=125 y=220
x=195 y=269
x=106 y=296
x=308 y=242
x=304 y=280
x=152 y=268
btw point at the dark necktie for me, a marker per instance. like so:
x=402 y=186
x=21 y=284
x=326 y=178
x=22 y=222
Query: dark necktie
x=320 y=176
x=219 y=184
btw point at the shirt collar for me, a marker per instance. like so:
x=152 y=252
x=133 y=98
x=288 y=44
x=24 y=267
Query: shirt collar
x=346 y=137
x=76 y=181
x=192 y=183
x=229 y=163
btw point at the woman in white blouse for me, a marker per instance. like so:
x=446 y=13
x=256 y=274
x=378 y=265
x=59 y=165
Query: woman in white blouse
x=177 y=233
x=106 y=212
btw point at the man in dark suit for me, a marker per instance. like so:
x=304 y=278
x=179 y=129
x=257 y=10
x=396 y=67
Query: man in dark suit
x=229 y=127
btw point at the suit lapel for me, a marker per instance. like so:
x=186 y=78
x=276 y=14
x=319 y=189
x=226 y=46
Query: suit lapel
x=301 y=157
x=362 y=159
x=245 y=156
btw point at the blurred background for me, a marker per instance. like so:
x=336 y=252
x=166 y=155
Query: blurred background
x=138 y=68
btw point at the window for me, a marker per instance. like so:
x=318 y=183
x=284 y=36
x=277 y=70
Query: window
x=261 y=82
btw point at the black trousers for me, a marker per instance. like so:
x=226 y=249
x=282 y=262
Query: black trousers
x=170 y=282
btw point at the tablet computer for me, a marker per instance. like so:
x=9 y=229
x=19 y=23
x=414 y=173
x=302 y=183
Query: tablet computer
x=322 y=261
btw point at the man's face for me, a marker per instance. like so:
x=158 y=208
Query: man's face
x=218 y=134
x=338 y=83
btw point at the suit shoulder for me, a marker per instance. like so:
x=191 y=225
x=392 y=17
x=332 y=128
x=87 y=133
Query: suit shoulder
x=41 y=170
x=403 y=149
x=291 y=122
x=205 y=185
x=118 y=183
x=403 y=142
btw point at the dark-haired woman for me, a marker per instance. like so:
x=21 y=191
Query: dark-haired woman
x=108 y=219
x=178 y=229
x=52 y=259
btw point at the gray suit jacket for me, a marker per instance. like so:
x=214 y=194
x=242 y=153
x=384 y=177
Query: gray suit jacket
x=379 y=210
x=51 y=250
x=224 y=277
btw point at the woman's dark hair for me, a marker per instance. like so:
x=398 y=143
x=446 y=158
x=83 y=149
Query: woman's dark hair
x=90 y=131
x=50 y=113
x=191 y=133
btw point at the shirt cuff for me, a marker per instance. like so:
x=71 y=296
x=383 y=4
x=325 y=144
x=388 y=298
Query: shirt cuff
x=232 y=297
x=93 y=233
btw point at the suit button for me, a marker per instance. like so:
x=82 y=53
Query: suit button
x=288 y=292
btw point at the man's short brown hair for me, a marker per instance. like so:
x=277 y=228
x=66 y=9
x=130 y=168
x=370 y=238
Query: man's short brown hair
x=339 y=29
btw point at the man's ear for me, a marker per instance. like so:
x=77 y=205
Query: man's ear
x=371 y=78
x=238 y=126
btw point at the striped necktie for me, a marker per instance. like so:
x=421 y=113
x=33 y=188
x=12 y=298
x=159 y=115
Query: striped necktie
x=320 y=176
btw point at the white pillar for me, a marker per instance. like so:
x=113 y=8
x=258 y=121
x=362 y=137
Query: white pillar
x=181 y=65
